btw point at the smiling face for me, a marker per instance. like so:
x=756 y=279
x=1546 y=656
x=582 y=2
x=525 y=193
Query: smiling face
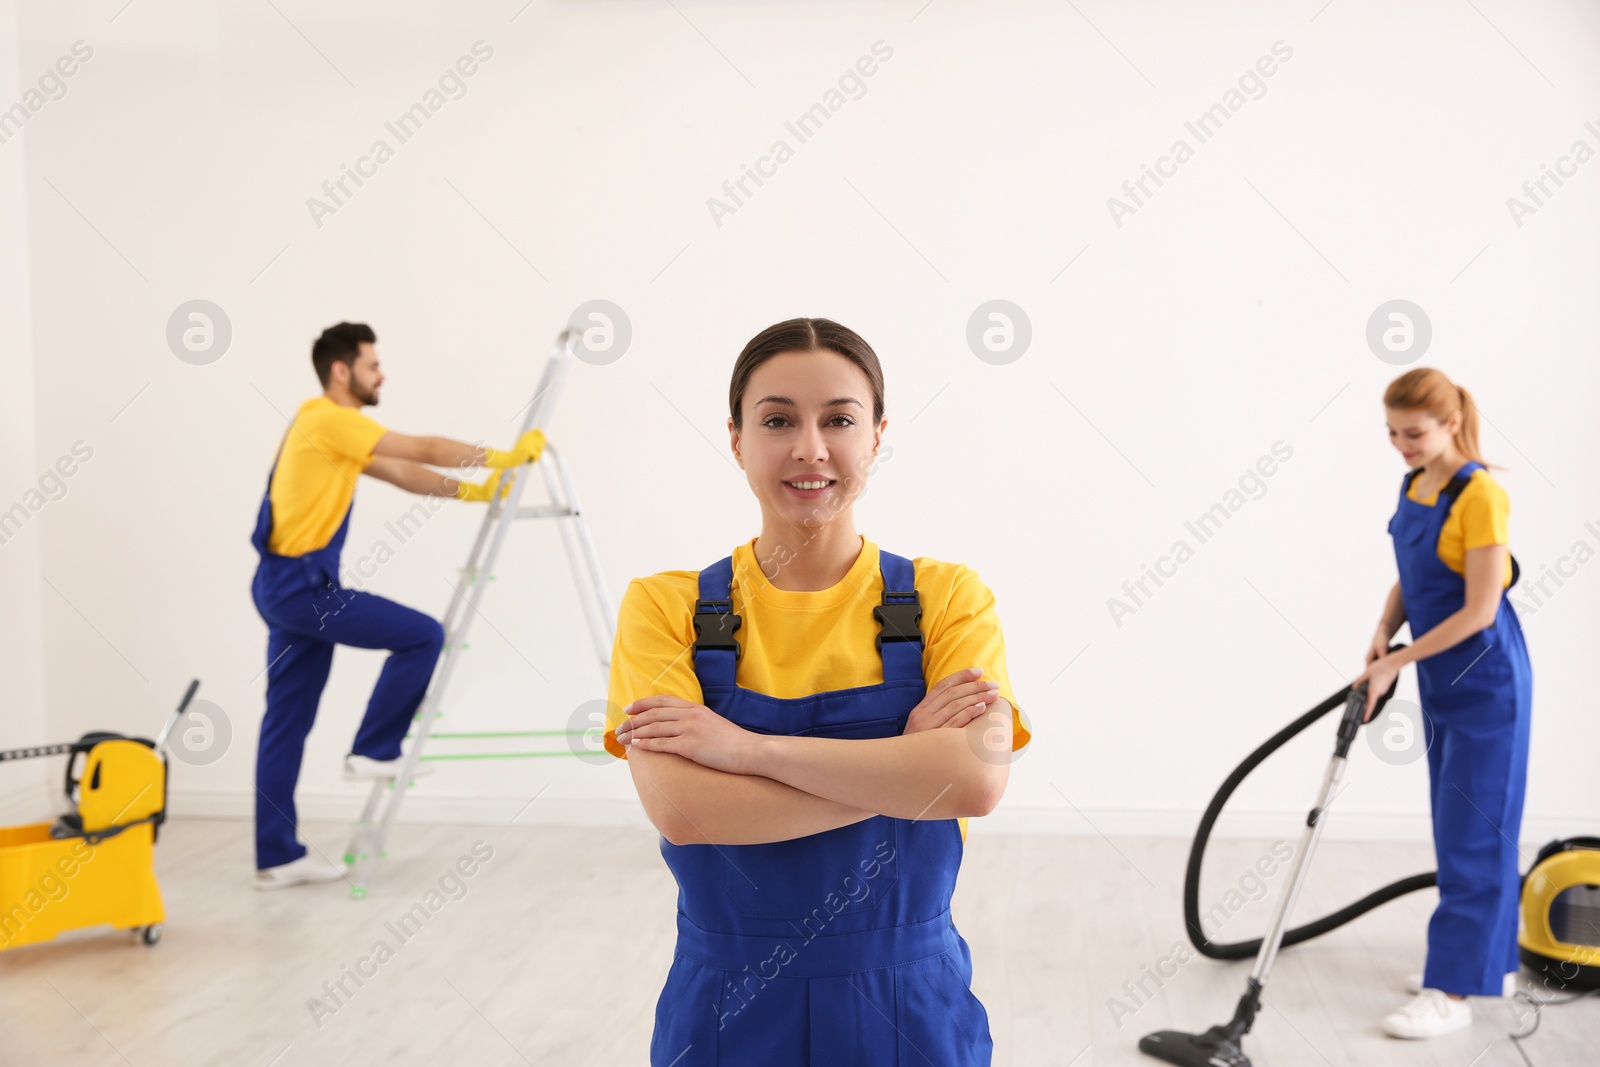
x=1419 y=437
x=808 y=438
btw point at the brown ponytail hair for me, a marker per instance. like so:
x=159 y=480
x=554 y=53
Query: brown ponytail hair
x=804 y=335
x=1428 y=389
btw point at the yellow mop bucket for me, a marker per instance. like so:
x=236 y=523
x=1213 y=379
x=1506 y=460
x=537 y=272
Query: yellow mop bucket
x=94 y=866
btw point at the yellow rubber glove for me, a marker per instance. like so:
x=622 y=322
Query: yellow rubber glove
x=526 y=450
x=483 y=491
x=531 y=444
x=493 y=457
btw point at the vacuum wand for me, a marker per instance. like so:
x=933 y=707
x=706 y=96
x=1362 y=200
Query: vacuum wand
x=1355 y=709
x=1220 y=1045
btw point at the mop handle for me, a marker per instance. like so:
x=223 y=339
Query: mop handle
x=172 y=721
x=65 y=747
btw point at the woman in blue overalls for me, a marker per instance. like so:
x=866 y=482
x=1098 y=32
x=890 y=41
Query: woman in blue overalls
x=1476 y=687
x=819 y=932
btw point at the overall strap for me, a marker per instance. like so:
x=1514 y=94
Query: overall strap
x=716 y=651
x=899 y=641
x=1451 y=491
x=1452 y=488
x=263 y=531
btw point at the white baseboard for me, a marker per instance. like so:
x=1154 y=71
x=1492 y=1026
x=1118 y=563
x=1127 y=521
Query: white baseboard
x=422 y=807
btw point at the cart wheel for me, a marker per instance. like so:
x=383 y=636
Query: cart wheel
x=151 y=934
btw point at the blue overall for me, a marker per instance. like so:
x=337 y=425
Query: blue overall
x=1476 y=699
x=833 y=949
x=307 y=612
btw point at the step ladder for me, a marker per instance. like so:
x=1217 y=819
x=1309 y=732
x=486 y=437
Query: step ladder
x=377 y=817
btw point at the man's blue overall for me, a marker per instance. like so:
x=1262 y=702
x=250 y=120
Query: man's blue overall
x=833 y=949
x=1476 y=701
x=307 y=612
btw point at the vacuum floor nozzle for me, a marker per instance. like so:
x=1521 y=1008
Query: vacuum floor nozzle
x=1217 y=1047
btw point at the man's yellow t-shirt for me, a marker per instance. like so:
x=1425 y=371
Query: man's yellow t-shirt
x=1481 y=516
x=325 y=449
x=797 y=643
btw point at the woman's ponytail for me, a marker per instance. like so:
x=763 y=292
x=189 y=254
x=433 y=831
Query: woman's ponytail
x=1467 y=435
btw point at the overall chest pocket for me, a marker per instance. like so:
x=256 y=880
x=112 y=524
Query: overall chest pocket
x=810 y=880
x=1407 y=531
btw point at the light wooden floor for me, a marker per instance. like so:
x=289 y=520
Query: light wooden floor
x=557 y=949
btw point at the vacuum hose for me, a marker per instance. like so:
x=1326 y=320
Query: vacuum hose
x=1238 y=950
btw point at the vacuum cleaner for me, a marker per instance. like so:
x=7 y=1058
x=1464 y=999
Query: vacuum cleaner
x=1560 y=937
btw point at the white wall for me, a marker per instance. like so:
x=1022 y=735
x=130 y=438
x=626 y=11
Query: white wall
x=1168 y=353
x=21 y=637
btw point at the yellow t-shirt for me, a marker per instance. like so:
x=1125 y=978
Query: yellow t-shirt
x=797 y=643
x=326 y=447
x=1481 y=516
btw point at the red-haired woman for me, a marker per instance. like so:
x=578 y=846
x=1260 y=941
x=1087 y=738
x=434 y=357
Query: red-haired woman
x=811 y=779
x=1476 y=686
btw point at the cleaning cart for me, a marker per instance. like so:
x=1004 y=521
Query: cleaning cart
x=94 y=865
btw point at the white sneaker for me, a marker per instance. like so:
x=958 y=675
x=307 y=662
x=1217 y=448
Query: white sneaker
x=1508 y=987
x=366 y=769
x=1430 y=1013
x=306 y=870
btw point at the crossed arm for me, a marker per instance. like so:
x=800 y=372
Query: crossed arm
x=787 y=787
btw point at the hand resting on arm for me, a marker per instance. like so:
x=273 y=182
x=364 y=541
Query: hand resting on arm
x=704 y=780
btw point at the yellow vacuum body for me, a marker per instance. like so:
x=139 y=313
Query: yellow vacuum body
x=1560 y=936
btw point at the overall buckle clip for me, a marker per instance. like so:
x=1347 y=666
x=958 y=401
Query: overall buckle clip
x=717 y=632
x=898 y=620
